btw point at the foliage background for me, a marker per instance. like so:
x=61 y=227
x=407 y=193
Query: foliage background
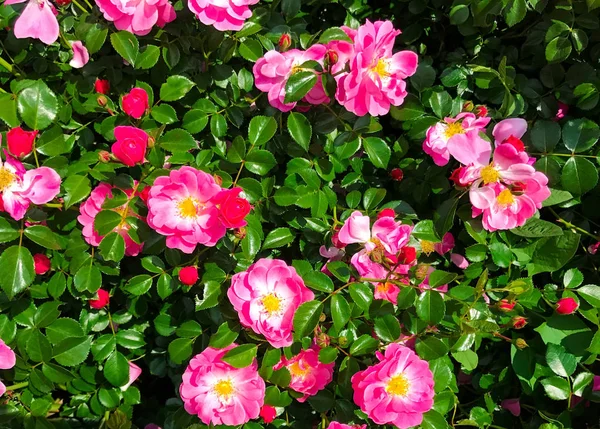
x=303 y=174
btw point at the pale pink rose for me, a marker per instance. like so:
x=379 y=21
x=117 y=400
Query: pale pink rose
x=81 y=56
x=386 y=233
x=180 y=207
x=438 y=135
x=224 y=15
x=266 y=297
x=134 y=372
x=446 y=245
x=7 y=361
x=512 y=405
x=272 y=71
x=376 y=79
x=337 y=425
x=38 y=21
x=21 y=188
x=398 y=390
x=308 y=374
x=93 y=205
x=220 y=394
x=137 y=16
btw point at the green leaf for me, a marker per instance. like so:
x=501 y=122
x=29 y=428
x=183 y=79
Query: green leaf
x=387 y=328
x=334 y=33
x=591 y=293
x=164 y=114
x=373 y=197
x=8 y=110
x=558 y=49
x=126 y=44
x=468 y=359
x=537 y=228
x=300 y=129
x=47 y=313
x=579 y=176
x=580 y=135
x=251 y=50
x=515 y=12
x=261 y=130
x=195 y=121
x=551 y=254
x=148 y=57
x=362 y=295
x=559 y=361
x=279 y=237
x=224 y=336
x=556 y=388
x=189 y=329
x=459 y=14
x=318 y=281
x=88 y=278
x=545 y=135
x=76 y=189
x=581 y=381
x=17 y=268
x=306 y=318
x=44 y=236
x=260 y=162
x=365 y=344
x=9 y=231
x=63 y=328
x=592 y=4
x=434 y=420
x=241 y=356
x=38 y=105
x=443 y=217
x=175 y=88
x=103 y=347
x=431 y=348
x=177 y=140
x=501 y=254
x=340 y=311
x=139 y=285
x=106 y=221
x=298 y=85
x=56 y=373
x=72 y=351
x=180 y=350
x=328 y=355
x=378 y=151
x=441 y=103
x=112 y=247
x=439 y=278
x=572 y=278
x=38 y=347
x=130 y=339
x=116 y=369
x=431 y=307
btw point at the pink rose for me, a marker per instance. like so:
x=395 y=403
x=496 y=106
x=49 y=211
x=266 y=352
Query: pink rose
x=188 y=275
x=130 y=147
x=224 y=15
x=566 y=306
x=232 y=208
x=102 y=301
x=136 y=103
x=41 y=264
x=20 y=142
x=137 y=16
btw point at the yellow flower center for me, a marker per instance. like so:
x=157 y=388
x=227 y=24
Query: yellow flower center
x=383 y=287
x=505 y=198
x=271 y=303
x=381 y=68
x=398 y=385
x=427 y=247
x=453 y=129
x=224 y=388
x=6 y=178
x=297 y=371
x=489 y=174
x=188 y=207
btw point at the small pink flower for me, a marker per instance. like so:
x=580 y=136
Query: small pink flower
x=219 y=393
x=266 y=297
x=93 y=205
x=272 y=71
x=268 y=413
x=137 y=16
x=309 y=375
x=37 y=21
x=386 y=233
x=233 y=209
x=42 y=264
x=512 y=405
x=567 y=306
x=506 y=305
x=20 y=142
x=180 y=207
x=102 y=301
x=131 y=145
x=337 y=425
x=7 y=361
x=376 y=79
x=223 y=15
x=81 y=56
x=136 y=103
x=134 y=372
x=152 y=426
x=188 y=275
x=398 y=390
x=466 y=125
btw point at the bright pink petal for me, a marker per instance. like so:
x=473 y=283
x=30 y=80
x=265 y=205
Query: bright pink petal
x=509 y=127
x=81 y=55
x=470 y=149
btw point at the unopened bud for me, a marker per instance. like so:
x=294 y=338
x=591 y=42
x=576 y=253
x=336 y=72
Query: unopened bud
x=422 y=271
x=521 y=344
x=102 y=100
x=397 y=174
x=323 y=340
x=322 y=317
x=151 y=142
x=285 y=41
x=519 y=322
x=481 y=111
x=240 y=233
x=218 y=179
x=104 y=156
x=468 y=106
x=331 y=58
x=342 y=341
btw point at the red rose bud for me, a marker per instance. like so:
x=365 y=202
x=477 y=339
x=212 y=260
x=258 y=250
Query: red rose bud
x=102 y=301
x=285 y=41
x=332 y=57
x=519 y=322
x=515 y=142
x=20 y=142
x=566 y=306
x=407 y=255
x=386 y=213
x=455 y=177
x=481 y=111
x=102 y=100
x=240 y=233
x=218 y=179
x=101 y=86
x=62 y=3
x=104 y=156
x=136 y=103
x=335 y=240
x=41 y=264
x=144 y=194
x=232 y=208
x=505 y=305
x=397 y=174
x=130 y=147
x=188 y=275
x=468 y=106
x=268 y=413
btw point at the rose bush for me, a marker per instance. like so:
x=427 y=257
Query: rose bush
x=332 y=215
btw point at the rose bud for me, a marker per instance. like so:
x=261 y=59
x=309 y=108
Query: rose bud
x=130 y=147
x=332 y=57
x=505 y=305
x=136 y=103
x=407 y=255
x=188 y=275
x=232 y=208
x=102 y=301
x=240 y=233
x=104 y=156
x=519 y=322
x=566 y=306
x=268 y=413
x=481 y=111
x=397 y=174
x=468 y=106
x=41 y=264
x=102 y=86
x=285 y=41
x=386 y=213
x=20 y=142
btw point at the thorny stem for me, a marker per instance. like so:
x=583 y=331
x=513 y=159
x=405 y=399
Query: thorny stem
x=571 y=226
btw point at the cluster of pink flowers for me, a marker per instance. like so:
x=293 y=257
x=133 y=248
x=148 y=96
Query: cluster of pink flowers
x=507 y=190
x=370 y=77
x=137 y=16
x=222 y=14
x=190 y=208
x=266 y=297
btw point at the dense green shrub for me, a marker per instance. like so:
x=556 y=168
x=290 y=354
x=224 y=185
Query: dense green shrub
x=496 y=334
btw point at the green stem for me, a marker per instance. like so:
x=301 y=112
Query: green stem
x=568 y=155
x=570 y=225
x=83 y=9
x=17 y=386
x=8 y=66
